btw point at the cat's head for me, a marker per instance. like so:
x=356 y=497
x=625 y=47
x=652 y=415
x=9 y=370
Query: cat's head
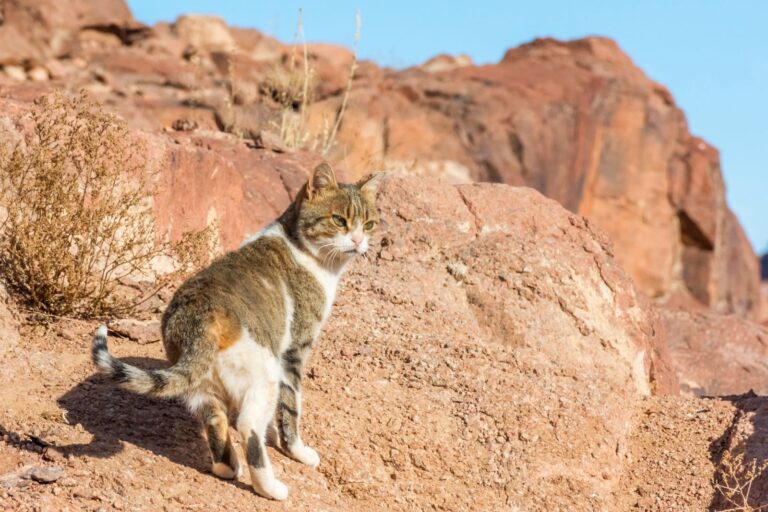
x=335 y=220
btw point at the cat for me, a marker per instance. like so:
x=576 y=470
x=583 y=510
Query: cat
x=238 y=333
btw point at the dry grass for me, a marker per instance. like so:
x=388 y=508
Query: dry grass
x=78 y=204
x=735 y=482
x=291 y=84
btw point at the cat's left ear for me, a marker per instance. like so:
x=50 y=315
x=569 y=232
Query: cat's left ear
x=322 y=178
x=370 y=184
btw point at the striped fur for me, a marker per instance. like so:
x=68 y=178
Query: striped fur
x=238 y=334
x=166 y=383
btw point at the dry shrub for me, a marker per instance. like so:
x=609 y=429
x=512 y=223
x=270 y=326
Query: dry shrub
x=79 y=210
x=735 y=482
x=291 y=83
x=193 y=251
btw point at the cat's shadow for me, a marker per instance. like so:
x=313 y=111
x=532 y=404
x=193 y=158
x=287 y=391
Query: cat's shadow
x=115 y=417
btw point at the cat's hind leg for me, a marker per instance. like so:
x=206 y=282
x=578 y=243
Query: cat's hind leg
x=255 y=416
x=225 y=463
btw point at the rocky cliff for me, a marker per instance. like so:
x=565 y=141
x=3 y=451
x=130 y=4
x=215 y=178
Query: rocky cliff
x=582 y=124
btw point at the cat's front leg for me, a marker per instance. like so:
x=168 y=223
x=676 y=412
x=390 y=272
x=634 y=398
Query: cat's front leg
x=289 y=410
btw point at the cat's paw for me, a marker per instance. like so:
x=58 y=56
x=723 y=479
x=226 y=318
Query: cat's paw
x=274 y=490
x=305 y=455
x=225 y=471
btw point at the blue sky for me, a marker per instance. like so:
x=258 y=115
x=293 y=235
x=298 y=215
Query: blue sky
x=712 y=55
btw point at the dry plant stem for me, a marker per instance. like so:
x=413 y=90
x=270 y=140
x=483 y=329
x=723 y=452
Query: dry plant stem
x=305 y=83
x=291 y=87
x=345 y=98
x=736 y=479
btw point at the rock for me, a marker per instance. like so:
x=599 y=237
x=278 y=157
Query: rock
x=56 y=69
x=764 y=286
x=38 y=74
x=207 y=33
x=12 y=480
x=143 y=331
x=44 y=475
x=331 y=65
x=257 y=46
x=764 y=291
x=504 y=304
x=266 y=139
x=203 y=179
x=606 y=142
x=445 y=62
x=15 y=72
x=35 y=30
x=717 y=354
x=764 y=267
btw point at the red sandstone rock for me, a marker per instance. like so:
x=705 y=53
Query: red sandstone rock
x=444 y=62
x=39 y=29
x=580 y=123
x=206 y=33
x=717 y=354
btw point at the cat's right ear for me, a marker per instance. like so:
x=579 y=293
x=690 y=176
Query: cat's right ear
x=322 y=178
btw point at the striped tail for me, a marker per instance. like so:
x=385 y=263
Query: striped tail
x=168 y=382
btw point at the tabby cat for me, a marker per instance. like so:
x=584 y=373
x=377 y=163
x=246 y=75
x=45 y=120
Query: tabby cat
x=238 y=333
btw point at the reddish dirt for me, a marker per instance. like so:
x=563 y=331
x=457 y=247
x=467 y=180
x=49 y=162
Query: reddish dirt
x=120 y=451
x=676 y=446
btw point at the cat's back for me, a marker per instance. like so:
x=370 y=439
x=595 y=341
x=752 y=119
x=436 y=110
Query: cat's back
x=256 y=286
x=246 y=275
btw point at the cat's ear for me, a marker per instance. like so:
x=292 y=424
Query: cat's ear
x=370 y=184
x=322 y=178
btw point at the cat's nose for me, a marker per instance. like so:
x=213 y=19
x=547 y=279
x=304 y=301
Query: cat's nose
x=357 y=238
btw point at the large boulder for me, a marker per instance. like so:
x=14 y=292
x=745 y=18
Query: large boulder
x=35 y=30
x=205 y=179
x=717 y=354
x=499 y=323
x=582 y=124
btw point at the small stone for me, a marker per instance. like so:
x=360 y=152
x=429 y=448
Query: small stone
x=44 y=475
x=83 y=492
x=269 y=140
x=38 y=74
x=15 y=72
x=51 y=454
x=143 y=331
x=55 y=68
x=68 y=482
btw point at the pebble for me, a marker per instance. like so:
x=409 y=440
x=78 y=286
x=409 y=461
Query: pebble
x=38 y=74
x=44 y=475
x=15 y=72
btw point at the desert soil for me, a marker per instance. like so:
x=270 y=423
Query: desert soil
x=372 y=411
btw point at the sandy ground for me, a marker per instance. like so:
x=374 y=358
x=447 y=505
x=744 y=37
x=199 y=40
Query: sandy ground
x=380 y=416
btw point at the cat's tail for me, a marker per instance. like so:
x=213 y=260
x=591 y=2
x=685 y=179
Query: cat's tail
x=168 y=382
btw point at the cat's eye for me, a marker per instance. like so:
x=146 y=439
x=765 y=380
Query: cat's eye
x=340 y=221
x=369 y=225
